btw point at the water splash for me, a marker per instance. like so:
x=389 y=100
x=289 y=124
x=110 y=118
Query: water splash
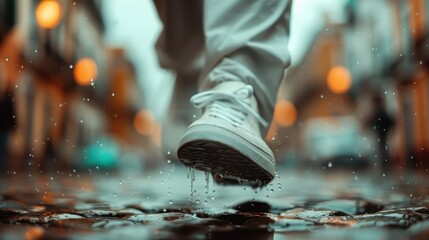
x=191 y=174
x=207 y=175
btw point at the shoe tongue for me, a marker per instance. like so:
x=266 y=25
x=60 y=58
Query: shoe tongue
x=229 y=86
x=237 y=88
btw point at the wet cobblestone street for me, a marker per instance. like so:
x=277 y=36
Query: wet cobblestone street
x=297 y=205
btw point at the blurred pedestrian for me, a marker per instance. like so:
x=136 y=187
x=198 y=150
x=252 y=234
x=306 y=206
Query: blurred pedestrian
x=7 y=121
x=381 y=123
x=239 y=50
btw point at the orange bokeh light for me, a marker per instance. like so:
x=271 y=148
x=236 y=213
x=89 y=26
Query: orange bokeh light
x=339 y=80
x=34 y=233
x=48 y=14
x=285 y=113
x=85 y=71
x=144 y=122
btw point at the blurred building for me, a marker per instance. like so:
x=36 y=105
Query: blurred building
x=381 y=47
x=75 y=97
x=390 y=43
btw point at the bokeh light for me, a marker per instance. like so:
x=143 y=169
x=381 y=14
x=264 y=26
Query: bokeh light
x=85 y=71
x=34 y=232
x=339 y=80
x=285 y=113
x=144 y=122
x=48 y=14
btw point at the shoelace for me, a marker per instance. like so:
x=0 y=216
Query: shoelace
x=233 y=107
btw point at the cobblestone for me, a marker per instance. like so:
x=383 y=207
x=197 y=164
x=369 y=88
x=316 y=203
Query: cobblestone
x=295 y=206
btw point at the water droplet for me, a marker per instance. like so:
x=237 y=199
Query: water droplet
x=330 y=164
x=191 y=175
x=71 y=66
x=113 y=94
x=7 y=59
x=207 y=175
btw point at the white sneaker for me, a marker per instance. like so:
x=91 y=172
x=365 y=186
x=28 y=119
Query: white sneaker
x=226 y=140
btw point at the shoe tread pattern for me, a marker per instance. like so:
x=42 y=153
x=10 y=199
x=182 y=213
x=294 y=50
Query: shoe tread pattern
x=216 y=157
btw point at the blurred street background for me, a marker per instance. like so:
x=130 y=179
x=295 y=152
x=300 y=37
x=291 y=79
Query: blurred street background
x=82 y=93
x=81 y=86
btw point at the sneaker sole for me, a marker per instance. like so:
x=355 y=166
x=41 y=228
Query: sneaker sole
x=201 y=148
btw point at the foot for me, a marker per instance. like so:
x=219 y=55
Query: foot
x=226 y=140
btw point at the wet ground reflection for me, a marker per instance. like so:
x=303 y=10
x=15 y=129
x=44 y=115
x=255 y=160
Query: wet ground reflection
x=297 y=205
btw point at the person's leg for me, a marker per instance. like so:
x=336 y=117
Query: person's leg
x=180 y=48
x=247 y=41
x=246 y=55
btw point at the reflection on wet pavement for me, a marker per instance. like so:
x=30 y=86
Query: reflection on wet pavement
x=302 y=205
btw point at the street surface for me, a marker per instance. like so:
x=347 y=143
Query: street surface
x=94 y=204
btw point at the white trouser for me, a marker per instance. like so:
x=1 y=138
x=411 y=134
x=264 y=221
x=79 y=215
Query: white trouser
x=243 y=40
